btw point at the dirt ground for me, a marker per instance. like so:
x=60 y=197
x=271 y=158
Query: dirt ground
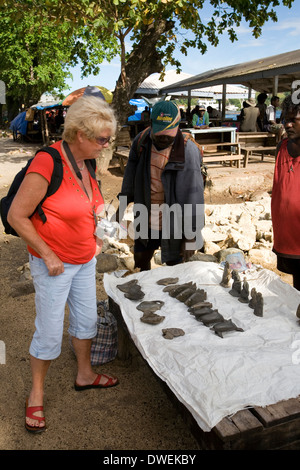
x=137 y=414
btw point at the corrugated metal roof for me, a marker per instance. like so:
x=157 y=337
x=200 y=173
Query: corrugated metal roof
x=256 y=74
x=153 y=85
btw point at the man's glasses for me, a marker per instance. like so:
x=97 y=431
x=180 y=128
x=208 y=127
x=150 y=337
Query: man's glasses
x=102 y=140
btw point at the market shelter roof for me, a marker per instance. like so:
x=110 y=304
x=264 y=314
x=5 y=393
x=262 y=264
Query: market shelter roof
x=260 y=75
x=153 y=86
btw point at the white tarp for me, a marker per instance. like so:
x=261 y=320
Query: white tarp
x=215 y=377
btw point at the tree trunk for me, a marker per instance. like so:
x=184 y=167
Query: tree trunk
x=104 y=160
x=143 y=61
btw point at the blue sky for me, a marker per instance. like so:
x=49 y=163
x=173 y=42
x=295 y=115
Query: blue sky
x=276 y=38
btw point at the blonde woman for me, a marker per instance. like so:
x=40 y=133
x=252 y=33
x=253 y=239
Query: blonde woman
x=62 y=249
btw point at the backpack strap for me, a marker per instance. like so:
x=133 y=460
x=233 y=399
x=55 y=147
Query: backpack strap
x=6 y=201
x=142 y=138
x=56 y=178
x=91 y=166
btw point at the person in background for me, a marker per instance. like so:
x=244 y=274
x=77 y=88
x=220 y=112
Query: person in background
x=272 y=123
x=62 y=250
x=213 y=112
x=261 y=105
x=59 y=119
x=285 y=203
x=145 y=116
x=194 y=110
x=200 y=119
x=182 y=114
x=249 y=116
x=51 y=122
x=164 y=171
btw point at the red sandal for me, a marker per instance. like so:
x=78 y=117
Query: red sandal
x=111 y=382
x=29 y=413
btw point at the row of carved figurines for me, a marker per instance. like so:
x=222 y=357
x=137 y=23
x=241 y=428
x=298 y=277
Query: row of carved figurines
x=240 y=289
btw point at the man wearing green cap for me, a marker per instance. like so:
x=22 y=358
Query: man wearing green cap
x=163 y=178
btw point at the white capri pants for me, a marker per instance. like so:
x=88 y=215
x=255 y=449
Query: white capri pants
x=76 y=286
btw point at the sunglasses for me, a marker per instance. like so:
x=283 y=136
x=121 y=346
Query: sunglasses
x=102 y=140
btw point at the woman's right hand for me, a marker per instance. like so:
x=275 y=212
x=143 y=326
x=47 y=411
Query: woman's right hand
x=54 y=264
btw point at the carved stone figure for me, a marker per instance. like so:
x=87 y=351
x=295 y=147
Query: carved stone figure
x=131 y=290
x=150 y=305
x=167 y=281
x=244 y=298
x=151 y=318
x=236 y=287
x=198 y=297
x=201 y=311
x=226 y=276
x=127 y=285
x=210 y=318
x=185 y=294
x=259 y=305
x=170 y=333
x=174 y=290
x=135 y=293
x=224 y=327
x=253 y=298
x=200 y=306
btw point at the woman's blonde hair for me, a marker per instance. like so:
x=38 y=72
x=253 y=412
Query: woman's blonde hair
x=89 y=115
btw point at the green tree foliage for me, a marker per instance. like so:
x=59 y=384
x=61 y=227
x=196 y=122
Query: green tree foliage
x=154 y=29
x=35 y=54
x=32 y=57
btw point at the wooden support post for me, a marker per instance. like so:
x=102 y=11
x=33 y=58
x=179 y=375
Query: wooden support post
x=275 y=85
x=223 y=101
x=189 y=102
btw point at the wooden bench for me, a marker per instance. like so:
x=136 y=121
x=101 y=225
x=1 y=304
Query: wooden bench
x=223 y=152
x=274 y=427
x=260 y=143
x=122 y=146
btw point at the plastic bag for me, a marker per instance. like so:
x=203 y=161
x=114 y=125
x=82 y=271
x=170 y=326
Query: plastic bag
x=237 y=261
x=105 y=344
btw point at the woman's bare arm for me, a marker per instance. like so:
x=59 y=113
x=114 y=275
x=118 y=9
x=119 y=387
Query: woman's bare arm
x=29 y=195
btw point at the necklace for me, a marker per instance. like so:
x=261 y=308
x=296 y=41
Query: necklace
x=82 y=168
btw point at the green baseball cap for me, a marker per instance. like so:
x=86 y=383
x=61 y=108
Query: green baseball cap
x=165 y=116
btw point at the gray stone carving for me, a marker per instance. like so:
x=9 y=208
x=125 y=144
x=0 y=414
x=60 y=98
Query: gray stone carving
x=225 y=282
x=244 y=298
x=259 y=305
x=236 y=287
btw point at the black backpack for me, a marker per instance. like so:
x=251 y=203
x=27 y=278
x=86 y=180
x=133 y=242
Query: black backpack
x=55 y=182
